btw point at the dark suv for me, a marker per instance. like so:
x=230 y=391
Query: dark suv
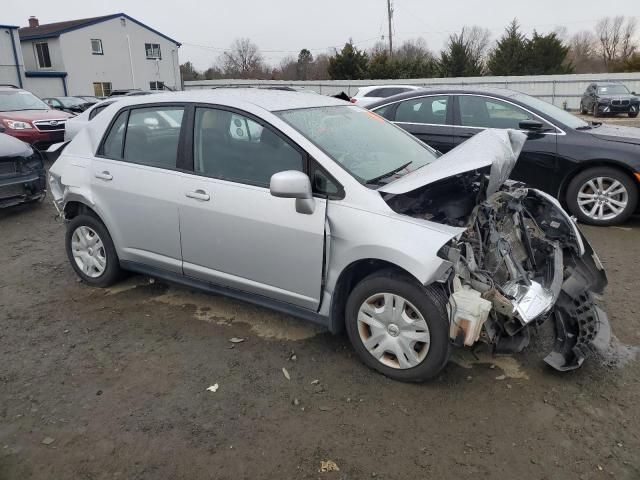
x=609 y=98
x=25 y=116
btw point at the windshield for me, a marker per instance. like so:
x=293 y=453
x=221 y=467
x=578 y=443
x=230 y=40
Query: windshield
x=12 y=101
x=71 y=101
x=613 y=90
x=552 y=111
x=364 y=144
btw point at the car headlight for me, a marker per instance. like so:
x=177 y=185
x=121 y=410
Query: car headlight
x=17 y=124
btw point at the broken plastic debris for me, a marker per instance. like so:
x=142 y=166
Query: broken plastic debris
x=501 y=377
x=315 y=382
x=213 y=388
x=48 y=440
x=236 y=340
x=286 y=373
x=328 y=466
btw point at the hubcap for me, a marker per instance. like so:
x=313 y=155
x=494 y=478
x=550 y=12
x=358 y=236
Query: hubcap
x=88 y=251
x=602 y=198
x=393 y=331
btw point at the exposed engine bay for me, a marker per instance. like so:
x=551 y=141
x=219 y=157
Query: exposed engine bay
x=520 y=262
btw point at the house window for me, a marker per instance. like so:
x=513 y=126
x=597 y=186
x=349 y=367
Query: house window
x=156 y=85
x=42 y=53
x=152 y=50
x=96 y=46
x=102 y=89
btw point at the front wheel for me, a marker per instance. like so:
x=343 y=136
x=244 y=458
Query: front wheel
x=583 y=110
x=633 y=114
x=602 y=196
x=398 y=327
x=91 y=251
x=596 y=113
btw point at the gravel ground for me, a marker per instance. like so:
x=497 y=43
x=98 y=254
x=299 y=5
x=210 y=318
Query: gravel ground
x=101 y=384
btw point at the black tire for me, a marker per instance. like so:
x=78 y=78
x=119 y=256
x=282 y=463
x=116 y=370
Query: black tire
x=112 y=271
x=583 y=110
x=431 y=304
x=595 y=111
x=633 y=115
x=591 y=173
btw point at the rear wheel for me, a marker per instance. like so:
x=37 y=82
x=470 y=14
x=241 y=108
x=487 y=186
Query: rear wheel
x=602 y=196
x=91 y=251
x=583 y=110
x=398 y=327
x=595 y=112
x=633 y=114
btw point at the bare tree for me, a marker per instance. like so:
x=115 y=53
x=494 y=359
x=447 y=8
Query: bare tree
x=583 y=52
x=243 y=60
x=616 y=37
x=414 y=49
x=477 y=40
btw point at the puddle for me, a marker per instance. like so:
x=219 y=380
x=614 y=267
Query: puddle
x=510 y=366
x=225 y=311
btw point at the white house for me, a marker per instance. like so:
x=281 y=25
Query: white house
x=11 y=63
x=94 y=56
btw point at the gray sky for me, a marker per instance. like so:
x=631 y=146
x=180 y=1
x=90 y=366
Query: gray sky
x=283 y=27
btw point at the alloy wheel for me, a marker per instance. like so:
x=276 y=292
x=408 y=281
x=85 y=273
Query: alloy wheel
x=602 y=198
x=88 y=251
x=393 y=331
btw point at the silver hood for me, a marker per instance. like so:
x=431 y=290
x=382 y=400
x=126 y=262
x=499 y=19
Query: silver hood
x=498 y=148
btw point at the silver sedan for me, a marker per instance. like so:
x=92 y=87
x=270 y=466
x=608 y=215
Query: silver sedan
x=315 y=207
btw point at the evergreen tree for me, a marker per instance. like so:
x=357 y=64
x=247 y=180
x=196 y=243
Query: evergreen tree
x=348 y=64
x=458 y=58
x=510 y=55
x=305 y=59
x=546 y=55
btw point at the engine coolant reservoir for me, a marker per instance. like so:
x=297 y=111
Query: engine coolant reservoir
x=468 y=312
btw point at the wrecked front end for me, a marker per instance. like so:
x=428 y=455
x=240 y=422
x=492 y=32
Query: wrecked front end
x=520 y=262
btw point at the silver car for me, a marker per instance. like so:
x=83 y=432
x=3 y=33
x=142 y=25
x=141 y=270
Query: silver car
x=323 y=210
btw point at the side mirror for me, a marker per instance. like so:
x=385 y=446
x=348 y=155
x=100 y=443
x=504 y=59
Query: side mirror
x=531 y=125
x=294 y=184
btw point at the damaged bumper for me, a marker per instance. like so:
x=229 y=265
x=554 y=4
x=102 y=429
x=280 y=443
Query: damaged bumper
x=525 y=262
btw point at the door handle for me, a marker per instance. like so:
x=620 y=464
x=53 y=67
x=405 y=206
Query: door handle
x=198 y=195
x=104 y=175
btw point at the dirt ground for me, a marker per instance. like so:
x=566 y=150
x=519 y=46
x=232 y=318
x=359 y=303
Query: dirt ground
x=103 y=384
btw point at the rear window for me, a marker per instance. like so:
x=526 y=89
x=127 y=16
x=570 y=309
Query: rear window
x=386 y=92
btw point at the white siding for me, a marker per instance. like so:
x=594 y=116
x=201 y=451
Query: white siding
x=31 y=60
x=115 y=65
x=8 y=72
x=45 y=87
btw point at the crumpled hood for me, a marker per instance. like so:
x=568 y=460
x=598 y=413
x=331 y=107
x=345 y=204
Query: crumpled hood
x=498 y=148
x=616 y=133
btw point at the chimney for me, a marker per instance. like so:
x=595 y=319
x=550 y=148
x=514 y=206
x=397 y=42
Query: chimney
x=33 y=22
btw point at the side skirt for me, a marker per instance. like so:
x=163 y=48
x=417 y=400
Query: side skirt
x=255 y=299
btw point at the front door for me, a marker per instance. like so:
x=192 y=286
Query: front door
x=234 y=232
x=537 y=164
x=427 y=118
x=135 y=185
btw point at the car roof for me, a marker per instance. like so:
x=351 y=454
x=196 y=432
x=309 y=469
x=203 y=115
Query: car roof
x=453 y=89
x=270 y=100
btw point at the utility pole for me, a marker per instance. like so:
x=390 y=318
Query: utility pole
x=390 y=16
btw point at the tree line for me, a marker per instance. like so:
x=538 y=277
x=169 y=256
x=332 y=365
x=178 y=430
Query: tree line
x=611 y=46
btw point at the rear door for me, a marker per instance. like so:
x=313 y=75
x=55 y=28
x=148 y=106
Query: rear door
x=429 y=118
x=234 y=232
x=135 y=184
x=537 y=163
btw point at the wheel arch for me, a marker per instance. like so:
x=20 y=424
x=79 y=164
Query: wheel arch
x=349 y=278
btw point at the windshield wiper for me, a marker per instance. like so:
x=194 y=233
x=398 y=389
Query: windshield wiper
x=388 y=174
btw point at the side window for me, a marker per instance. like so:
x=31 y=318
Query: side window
x=432 y=110
x=322 y=183
x=383 y=111
x=378 y=92
x=152 y=136
x=234 y=147
x=112 y=146
x=489 y=113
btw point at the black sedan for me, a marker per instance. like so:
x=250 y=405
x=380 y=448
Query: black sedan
x=593 y=169
x=22 y=174
x=609 y=98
